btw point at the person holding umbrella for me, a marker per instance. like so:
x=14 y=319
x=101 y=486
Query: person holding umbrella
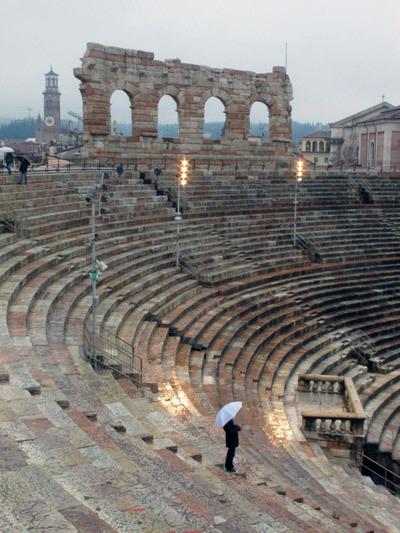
x=23 y=169
x=7 y=153
x=9 y=160
x=232 y=442
x=224 y=419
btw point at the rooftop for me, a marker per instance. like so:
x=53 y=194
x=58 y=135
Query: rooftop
x=321 y=134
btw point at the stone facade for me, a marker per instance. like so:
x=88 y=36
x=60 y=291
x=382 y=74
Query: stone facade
x=315 y=148
x=145 y=80
x=366 y=137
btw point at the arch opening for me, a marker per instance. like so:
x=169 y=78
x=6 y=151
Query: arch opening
x=121 y=113
x=259 y=121
x=314 y=146
x=168 y=118
x=214 y=119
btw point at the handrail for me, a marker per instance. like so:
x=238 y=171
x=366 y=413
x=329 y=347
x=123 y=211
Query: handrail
x=309 y=245
x=117 y=340
x=195 y=266
x=362 y=458
x=9 y=225
x=111 y=347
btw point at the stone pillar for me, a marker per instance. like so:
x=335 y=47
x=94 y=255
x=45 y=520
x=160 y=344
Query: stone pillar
x=280 y=124
x=237 y=124
x=191 y=116
x=145 y=116
x=96 y=109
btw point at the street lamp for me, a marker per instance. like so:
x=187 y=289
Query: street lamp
x=299 y=177
x=183 y=175
x=94 y=274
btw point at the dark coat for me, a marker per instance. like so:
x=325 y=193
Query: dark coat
x=24 y=165
x=231 y=434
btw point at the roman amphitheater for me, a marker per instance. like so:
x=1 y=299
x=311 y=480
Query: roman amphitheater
x=301 y=326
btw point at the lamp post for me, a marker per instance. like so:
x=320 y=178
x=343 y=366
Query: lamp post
x=299 y=177
x=91 y=198
x=96 y=265
x=183 y=174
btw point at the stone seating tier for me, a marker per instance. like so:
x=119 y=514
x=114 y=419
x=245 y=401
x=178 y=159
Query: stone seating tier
x=94 y=449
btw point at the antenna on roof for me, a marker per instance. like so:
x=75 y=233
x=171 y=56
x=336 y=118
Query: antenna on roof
x=286 y=56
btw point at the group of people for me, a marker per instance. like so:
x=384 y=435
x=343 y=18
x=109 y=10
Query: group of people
x=23 y=165
x=157 y=172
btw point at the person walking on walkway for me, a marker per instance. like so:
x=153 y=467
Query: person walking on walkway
x=23 y=170
x=120 y=169
x=9 y=160
x=232 y=442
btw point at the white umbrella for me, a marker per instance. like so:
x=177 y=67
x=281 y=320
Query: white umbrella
x=226 y=413
x=6 y=149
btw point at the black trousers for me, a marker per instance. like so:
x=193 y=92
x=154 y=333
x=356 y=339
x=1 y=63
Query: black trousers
x=230 y=455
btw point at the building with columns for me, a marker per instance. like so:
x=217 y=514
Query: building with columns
x=315 y=147
x=370 y=138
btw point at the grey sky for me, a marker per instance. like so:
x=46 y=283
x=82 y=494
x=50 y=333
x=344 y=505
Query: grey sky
x=342 y=55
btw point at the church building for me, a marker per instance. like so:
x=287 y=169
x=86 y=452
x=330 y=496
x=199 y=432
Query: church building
x=370 y=138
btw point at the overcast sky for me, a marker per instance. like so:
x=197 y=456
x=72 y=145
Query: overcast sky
x=342 y=55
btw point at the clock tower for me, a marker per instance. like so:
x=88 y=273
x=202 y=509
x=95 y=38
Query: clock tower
x=51 y=126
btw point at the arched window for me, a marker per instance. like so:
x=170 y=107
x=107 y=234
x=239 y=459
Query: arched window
x=168 y=118
x=321 y=146
x=372 y=158
x=214 y=119
x=121 y=114
x=259 y=120
x=314 y=146
x=308 y=146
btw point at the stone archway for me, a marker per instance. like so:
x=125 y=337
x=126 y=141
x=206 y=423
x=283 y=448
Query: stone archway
x=146 y=80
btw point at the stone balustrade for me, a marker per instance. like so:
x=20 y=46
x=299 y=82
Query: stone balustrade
x=328 y=422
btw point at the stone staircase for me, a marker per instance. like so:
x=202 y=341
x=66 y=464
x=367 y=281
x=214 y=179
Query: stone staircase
x=82 y=451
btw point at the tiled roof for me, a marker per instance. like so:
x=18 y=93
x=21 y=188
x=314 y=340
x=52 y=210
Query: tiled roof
x=318 y=134
x=358 y=117
x=390 y=113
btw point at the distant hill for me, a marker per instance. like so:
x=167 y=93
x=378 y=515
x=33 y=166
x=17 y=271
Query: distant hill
x=23 y=128
x=214 y=129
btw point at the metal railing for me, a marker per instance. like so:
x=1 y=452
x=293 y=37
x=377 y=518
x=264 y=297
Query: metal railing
x=381 y=475
x=309 y=245
x=114 y=353
x=69 y=166
x=9 y=225
x=196 y=266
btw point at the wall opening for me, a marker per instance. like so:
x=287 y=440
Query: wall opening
x=121 y=114
x=315 y=146
x=259 y=121
x=321 y=146
x=168 y=118
x=214 y=119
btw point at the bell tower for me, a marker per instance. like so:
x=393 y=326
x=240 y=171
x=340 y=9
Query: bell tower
x=51 y=125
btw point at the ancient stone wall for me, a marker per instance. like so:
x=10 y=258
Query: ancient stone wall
x=145 y=80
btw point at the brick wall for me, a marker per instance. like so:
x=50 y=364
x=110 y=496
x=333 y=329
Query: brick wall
x=145 y=80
